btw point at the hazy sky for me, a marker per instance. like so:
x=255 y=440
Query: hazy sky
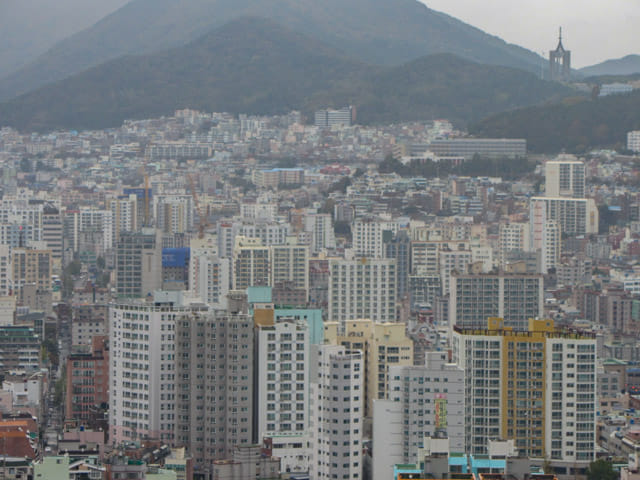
x=594 y=30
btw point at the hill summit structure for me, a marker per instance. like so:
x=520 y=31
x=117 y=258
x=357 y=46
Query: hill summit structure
x=560 y=62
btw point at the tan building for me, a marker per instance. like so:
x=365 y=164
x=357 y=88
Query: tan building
x=383 y=345
x=290 y=263
x=251 y=263
x=31 y=266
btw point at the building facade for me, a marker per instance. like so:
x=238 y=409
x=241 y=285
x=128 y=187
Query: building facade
x=336 y=403
x=364 y=288
x=537 y=387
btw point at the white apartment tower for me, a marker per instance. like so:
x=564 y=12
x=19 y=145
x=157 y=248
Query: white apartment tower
x=576 y=216
x=367 y=236
x=320 y=226
x=336 y=412
x=551 y=247
x=362 y=288
x=512 y=237
x=565 y=177
x=452 y=261
x=282 y=369
x=212 y=279
x=143 y=392
x=125 y=214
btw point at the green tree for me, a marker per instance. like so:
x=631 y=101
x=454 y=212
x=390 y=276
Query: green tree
x=601 y=470
x=100 y=263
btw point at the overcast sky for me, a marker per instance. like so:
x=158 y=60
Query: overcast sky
x=594 y=30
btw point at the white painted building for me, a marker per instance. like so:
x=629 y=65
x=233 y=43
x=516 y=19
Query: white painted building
x=512 y=237
x=363 y=288
x=282 y=369
x=565 y=177
x=633 y=141
x=320 y=226
x=212 y=279
x=367 y=236
x=142 y=395
x=576 y=216
x=336 y=412
x=290 y=263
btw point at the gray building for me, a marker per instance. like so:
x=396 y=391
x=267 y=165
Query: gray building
x=138 y=264
x=514 y=297
x=485 y=147
x=398 y=246
x=214 y=384
x=424 y=401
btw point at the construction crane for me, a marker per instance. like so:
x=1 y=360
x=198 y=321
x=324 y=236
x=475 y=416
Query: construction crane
x=203 y=218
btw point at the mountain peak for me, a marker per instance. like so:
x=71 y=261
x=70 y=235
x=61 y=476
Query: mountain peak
x=382 y=32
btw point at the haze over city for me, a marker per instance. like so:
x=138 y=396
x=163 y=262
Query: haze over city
x=319 y=240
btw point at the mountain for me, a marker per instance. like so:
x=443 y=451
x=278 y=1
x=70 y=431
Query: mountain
x=385 y=32
x=28 y=28
x=621 y=66
x=574 y=125
x=253 y=65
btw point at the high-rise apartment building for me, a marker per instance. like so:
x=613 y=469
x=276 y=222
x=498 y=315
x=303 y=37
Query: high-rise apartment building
x=143 y=383
x=31 y=266
x=551 y=246
x=537 y=387
x=384 y=345
x=336 y=403
x=290 y=265
x=87 y=382
x=576 y=216
x=213 y=387
x=512 y=237
x=88 y=220
x=452 y=261
x=363 y=288
x=423 y=401
x=564 y=177
x=367 y=236
x=138 y=263
x=212 y=279
x=174 y=213
x=124 y=210
x=513 y=297
x=398 y=247
x=6 y=273
x=320 y=225
x=251 y=263
x=282 y=369
x=52 y=232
